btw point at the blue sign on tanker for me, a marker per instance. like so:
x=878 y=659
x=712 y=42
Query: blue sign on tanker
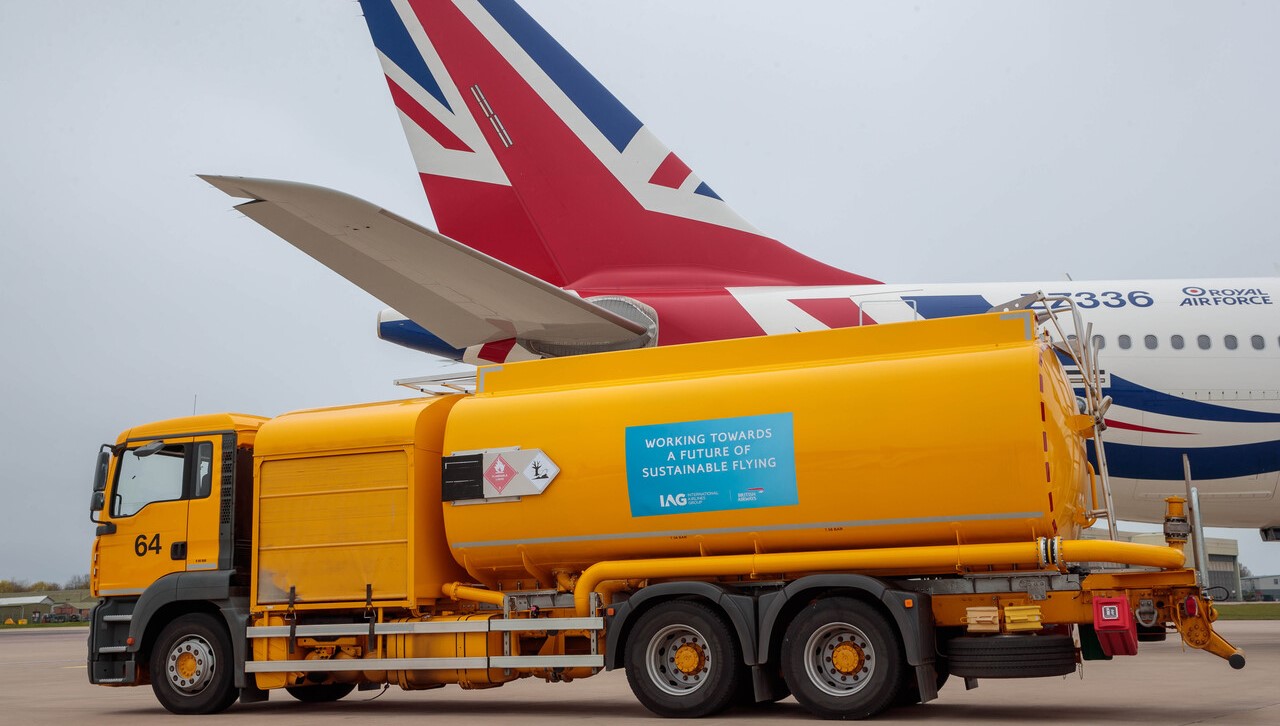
x=711 y=466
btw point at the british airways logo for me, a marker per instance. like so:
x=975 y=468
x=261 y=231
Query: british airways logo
x=1200 y=296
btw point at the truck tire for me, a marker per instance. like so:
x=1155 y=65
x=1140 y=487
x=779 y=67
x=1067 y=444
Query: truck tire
x=191 y=666
x=321 y=693
x=843 y=659
x=1012 y=656
x=682 y=660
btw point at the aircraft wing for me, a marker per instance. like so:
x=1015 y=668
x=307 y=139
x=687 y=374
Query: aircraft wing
x=461 y=295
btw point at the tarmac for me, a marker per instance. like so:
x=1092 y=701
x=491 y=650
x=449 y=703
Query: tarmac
x=42 y=681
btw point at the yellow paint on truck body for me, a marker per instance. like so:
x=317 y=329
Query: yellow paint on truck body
x=349 y=497
x=912 y=434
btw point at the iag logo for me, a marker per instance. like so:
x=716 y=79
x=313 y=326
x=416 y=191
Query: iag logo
x=672 y=500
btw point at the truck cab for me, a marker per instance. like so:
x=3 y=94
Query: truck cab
x=173 y=505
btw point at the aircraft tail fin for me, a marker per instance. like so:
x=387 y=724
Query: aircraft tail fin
x=526 y=157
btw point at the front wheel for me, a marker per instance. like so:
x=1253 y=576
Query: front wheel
x=682 y=660
x=191 y=666
x=842 y=659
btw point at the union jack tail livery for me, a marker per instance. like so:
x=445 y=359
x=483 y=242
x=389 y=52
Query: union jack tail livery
x=527 y=158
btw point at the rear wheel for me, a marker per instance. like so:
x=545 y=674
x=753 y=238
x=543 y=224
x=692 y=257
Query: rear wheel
x=321 y=693
x=842 y=659
x=682 y=660
x=191 y=666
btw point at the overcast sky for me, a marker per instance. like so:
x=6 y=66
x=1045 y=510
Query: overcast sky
x=910 y=142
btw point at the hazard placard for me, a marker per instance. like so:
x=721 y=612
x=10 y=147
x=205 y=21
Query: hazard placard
x=499 y=473
x=503 y=474
x=541 y=471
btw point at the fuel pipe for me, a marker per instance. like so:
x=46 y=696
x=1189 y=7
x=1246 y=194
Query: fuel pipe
x=1039 y=555
x=1042 y=553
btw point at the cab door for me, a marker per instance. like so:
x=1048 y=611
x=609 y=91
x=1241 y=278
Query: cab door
x=208 y=504
x=144 y=535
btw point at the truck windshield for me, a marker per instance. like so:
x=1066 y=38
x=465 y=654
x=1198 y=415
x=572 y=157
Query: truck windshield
x=155 y=478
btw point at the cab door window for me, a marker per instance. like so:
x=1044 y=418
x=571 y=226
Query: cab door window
x=204 y=471
x=167 y=475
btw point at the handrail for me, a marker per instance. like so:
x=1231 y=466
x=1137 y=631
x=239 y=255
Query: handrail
x=1082 y=349
x=1093 y=495
x=441 y=384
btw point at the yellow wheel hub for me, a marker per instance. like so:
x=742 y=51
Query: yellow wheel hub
x=186 y=665
x=690 y=659
x=847 y=658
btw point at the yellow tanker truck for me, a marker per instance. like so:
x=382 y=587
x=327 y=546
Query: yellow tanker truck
x=848 y=516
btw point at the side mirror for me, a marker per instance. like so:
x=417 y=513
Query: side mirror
x=100 y=472
x=98 y=499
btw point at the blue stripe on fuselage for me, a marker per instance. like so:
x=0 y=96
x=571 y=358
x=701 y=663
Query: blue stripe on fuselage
x=948 y=306
x=1129 y=461
x=392 y=38
x=604 y=110
x=1131 y=395
x=414 y=336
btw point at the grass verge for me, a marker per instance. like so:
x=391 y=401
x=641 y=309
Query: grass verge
x=1248 y=611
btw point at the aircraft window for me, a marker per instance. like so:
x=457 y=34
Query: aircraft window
x=1099 y=341
x=1176 y=342
x=1125 y=342
x=1230 y=342
x=1150 y=341
x=1258 y=342
x=1203 y=342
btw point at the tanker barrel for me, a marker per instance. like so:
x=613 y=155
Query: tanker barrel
x=828 y=441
